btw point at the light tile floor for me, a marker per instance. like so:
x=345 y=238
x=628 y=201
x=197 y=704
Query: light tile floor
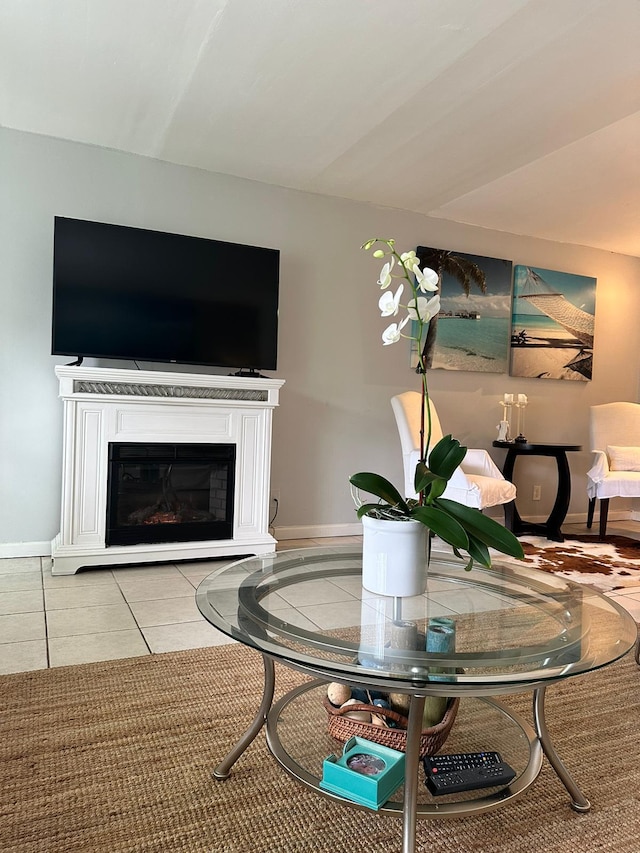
x=104 y=614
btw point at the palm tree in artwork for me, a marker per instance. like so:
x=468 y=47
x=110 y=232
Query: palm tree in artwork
x=465 y=271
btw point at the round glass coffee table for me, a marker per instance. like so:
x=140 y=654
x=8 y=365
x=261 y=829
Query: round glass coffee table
x=516 y=630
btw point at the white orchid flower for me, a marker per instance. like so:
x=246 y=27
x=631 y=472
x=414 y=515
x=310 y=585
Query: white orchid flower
x=389 y=304
x=427 y=278
x=391 y=334
x=385 y=274
x=425 y=309
x=409 y=260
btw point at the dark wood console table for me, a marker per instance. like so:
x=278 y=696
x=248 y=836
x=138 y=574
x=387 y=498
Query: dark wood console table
x=551 y=528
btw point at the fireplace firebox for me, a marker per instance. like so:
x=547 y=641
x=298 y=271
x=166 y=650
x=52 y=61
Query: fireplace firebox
x=169 y=493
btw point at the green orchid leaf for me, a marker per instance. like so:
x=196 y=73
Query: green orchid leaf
x=428 y=482
x=443 y=525
x=439 y=451
x=469 y=564
x=451 y=462
x=448 y=454
x=483 y=528
x=436 y=489
x=423 y=477
x=479 y=552
x=367 y=508
x=380 y=487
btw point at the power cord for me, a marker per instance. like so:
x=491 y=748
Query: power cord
x=275 y=514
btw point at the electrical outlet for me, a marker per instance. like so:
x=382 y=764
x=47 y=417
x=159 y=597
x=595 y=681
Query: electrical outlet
x=275 y=495
x=537 y=493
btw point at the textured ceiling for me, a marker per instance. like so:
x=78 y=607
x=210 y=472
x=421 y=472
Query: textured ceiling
x=516 y=115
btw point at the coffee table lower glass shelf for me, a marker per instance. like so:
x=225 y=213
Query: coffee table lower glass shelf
x=297 y=737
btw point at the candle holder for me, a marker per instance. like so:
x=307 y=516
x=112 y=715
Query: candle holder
x=504 y=427
x=521 y=405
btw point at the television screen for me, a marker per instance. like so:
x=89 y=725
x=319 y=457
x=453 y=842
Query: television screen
x=129 y=293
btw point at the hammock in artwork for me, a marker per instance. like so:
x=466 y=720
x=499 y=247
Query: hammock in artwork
x=576 y=321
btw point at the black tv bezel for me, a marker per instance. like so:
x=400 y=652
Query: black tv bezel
x=247 y=369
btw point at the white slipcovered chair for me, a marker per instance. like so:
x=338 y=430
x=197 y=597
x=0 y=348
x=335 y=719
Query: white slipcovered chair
x=478 y=482
x=615 y=441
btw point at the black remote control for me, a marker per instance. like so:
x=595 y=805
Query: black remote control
x=459 y=761
x=489 y=776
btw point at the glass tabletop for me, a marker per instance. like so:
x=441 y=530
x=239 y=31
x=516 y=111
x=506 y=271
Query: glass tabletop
x=485 y=631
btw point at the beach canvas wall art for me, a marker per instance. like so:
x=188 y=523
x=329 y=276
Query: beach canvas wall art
x=552 y=324
x=471 y=332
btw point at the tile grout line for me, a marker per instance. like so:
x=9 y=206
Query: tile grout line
x=133 y=615
x=45 y=614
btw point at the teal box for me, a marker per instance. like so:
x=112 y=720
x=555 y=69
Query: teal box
x=366 y=772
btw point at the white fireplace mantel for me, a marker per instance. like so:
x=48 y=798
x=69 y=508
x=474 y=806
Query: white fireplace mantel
x=103 y=405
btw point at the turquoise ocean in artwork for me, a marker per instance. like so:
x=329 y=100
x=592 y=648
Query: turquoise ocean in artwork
x=476 y=345
x=535 y=322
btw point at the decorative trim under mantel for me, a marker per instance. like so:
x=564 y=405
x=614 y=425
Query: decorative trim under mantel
x=103 y=405
x=81 y=386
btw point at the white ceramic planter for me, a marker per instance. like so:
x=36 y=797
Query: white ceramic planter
x=394 y=557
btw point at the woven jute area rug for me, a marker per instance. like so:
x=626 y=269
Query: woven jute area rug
x=113 y=757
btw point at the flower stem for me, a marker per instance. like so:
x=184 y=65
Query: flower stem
x=426 y=408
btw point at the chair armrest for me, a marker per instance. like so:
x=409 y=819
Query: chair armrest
x=478 y=461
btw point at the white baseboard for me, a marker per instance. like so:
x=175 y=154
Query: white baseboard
x=317 y=531
x=322 y=531
x=25 y=549
x=581 y=517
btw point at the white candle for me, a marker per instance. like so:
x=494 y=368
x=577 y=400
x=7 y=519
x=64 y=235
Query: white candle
x=522 y=399
x=508 y=399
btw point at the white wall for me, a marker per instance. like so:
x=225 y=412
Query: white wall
x=335 y=416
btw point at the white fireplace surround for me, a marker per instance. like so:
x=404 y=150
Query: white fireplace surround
x=103 y=405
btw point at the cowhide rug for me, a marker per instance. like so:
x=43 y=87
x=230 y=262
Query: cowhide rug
x=606 y=565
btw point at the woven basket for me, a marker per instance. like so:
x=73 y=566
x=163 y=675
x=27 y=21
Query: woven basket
x=431 y=740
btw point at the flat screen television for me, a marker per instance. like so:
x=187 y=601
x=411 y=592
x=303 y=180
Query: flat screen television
x=131 y=293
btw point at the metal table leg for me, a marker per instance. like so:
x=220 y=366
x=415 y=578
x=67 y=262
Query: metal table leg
x=578 y=800
x=223 y=770
x=412 y=761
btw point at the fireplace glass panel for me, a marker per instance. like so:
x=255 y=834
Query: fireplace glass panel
x=170 y=493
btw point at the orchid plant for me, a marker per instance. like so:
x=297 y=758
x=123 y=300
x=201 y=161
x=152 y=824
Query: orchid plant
x=465 y=528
